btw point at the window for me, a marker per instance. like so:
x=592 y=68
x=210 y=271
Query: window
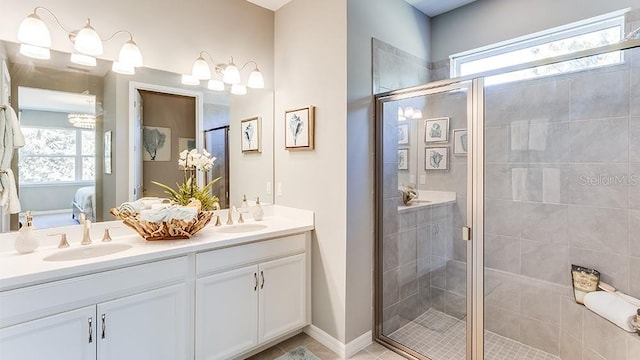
x=57 y=155
x=595 y=32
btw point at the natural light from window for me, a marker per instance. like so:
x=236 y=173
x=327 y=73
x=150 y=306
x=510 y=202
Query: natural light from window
x=556 y=42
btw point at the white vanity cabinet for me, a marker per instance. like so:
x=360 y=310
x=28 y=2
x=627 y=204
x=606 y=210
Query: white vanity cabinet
x=139 y=312
x=249 y=295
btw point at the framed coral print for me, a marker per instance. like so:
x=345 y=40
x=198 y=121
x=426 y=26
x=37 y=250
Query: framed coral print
x=298 y=128
x=403 y=134
x=403 y=159
x=436 y=130
x=250 y=130
x=156 y=142
x=460 y=142
x=436 y=158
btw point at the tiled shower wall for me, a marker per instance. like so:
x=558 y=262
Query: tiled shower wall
x=562 y=187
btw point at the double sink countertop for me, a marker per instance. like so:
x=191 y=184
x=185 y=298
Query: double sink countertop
x=19 y=270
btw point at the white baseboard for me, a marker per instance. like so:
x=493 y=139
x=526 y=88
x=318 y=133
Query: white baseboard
x=335 y=345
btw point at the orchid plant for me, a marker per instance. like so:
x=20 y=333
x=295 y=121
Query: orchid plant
x=191 y=162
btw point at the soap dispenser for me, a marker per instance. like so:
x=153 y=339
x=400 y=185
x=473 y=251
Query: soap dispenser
x=258 y=212
x=26 y=240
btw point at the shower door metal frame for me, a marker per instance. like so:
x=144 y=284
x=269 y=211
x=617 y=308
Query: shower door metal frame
x=474 y=206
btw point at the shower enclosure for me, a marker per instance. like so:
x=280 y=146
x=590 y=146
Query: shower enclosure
x=517 y=181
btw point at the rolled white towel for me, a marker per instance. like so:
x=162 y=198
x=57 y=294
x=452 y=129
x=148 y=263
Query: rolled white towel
x=612 y=308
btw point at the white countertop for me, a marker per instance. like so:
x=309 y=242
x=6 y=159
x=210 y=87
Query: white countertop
x=18 y=270
x=428 y=198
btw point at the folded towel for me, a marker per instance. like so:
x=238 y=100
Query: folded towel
x=186 y=213
x=130 y=207
x=612 y=308
x=630 y=299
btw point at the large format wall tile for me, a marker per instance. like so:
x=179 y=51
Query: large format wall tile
x=604 y=185
x=540 y=335
x=599 y=229
x=600 y=95
x=502 y=253
x=545 y=261
x=545 y=223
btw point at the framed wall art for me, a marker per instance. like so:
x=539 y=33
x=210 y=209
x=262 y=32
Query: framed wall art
x=403 y=134
x=298 y=128
x=107 y=152
x=251 y=133
x=436 y=158
x=403 y=159
x=460 y=142
x=436 y=130
x=156 y=142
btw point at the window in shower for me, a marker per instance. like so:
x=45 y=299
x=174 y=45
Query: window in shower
x=588 y=34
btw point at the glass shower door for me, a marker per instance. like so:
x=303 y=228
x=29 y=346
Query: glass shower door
x=422 y=273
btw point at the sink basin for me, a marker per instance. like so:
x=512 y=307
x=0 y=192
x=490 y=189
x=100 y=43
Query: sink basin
x=242 y=228
x=87 y=252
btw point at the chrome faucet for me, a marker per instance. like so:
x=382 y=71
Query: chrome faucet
x=86 y=233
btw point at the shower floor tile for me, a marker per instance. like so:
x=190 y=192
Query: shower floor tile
x=442 y=337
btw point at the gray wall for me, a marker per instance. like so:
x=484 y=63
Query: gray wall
x=487 y=22
x=393 y=22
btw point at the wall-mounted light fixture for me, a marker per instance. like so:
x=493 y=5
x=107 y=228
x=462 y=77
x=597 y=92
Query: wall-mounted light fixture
x=408 y=113
x=224 y=74
x=35 y=42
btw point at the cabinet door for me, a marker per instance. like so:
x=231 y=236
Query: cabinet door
x=226 y=313
x=150 y=325
x=282 y=296
x=69 y=335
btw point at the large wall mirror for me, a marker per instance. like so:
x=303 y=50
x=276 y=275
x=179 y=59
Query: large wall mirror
x=81 y=123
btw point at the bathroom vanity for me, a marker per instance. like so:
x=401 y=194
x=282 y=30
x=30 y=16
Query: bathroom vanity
x=227 y=292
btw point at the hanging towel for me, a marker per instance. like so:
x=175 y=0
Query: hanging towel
x=612 y=308
x=18 y=137
x=9 y=200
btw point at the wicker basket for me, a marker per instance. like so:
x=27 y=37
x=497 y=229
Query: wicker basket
x=167 y=230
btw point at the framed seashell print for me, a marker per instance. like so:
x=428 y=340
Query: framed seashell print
x=298 y=128
x=251 y=133
x=436 y=158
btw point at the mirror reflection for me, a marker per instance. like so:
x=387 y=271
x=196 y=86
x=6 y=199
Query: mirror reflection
x=84 y=129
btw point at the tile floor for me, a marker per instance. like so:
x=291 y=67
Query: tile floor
x=434 y=334
x=374 y=351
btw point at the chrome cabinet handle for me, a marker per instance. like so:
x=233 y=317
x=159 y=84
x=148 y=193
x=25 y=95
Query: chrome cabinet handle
x=255 y=277
x=262 y=277
x=90 y=330
x=104 y=325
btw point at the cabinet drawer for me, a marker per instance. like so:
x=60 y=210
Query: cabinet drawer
x=36 y=301
x=217 y=260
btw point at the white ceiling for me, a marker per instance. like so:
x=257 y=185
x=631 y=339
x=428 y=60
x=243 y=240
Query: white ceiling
x=429 y=7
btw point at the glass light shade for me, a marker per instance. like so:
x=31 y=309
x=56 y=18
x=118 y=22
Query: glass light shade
x=88 y=41
x=35 y=52
x=190 y=80
x=400 y=112
x=408 y=112
x=33 y=31
x=122 y=69
x=201 y=69
x=83 y=121
x=83 y=59
x=215 y=85
x=417 y=114
x=231 y=74
x=130 y=54
x=256 y=81
x=237 y=89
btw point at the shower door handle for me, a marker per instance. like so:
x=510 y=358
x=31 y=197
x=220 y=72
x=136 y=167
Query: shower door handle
x=466 y=233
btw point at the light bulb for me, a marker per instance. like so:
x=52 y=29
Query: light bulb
x=122 y=68
x=237 y=89
x=83 y=59
x=130 y=54
x=256 y=81
x=33 y=31
x=215 y=85
x=35 y=52
x=201 y=69
x=87 y=41
x=190 y=80
x=231 y=74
